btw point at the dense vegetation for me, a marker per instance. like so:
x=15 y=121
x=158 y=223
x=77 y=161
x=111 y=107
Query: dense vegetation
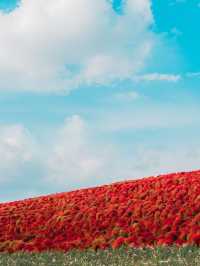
x=162 y=210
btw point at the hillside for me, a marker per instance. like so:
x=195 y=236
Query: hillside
x=162 y=210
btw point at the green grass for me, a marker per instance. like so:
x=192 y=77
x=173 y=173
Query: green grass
x=123 y=256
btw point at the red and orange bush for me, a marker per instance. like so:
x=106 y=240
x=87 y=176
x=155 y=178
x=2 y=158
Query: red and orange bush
x=160 y=210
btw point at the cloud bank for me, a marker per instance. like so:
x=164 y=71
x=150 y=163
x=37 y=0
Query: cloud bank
x=74 y=157
x=59 y=45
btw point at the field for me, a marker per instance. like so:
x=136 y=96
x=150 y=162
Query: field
x=92 y=224
x=169 y=256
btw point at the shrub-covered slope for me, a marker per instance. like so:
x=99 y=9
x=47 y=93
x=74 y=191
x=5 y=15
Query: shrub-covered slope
x=150 y=211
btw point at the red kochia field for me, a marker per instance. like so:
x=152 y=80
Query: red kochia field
x=152 y=211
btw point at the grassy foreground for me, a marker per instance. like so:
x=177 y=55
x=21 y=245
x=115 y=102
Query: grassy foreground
x=172 y=256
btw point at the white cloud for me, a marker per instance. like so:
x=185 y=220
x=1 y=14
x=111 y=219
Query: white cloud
x=75 y=157
x=58 y=45
x=157 y=77
x=126 y=96
x=16 y=150
x=150 y=161
x=70 y=157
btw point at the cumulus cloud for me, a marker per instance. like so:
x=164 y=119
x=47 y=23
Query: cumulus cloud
x=150 y=161
x=16 y=151
x=57 y=45
x=74 y=156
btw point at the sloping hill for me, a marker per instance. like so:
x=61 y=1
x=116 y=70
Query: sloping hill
x=150 y=211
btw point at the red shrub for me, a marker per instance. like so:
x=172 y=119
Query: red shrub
x=160 y=210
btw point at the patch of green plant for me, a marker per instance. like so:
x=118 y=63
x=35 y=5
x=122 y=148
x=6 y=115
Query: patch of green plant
x=124 y=256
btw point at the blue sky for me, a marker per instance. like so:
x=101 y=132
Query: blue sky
x=86 y=101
